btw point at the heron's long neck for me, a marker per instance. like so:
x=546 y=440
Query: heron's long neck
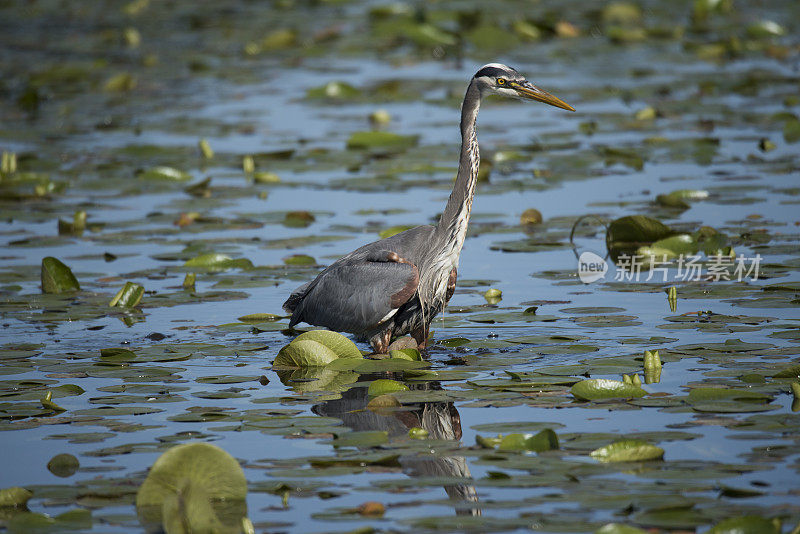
x=452 y=227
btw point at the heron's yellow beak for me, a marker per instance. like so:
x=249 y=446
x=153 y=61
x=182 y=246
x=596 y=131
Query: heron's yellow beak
x=528 y=91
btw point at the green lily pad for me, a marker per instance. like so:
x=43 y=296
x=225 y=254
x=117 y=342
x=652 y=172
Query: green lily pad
x=340 y=345
x=545 y=440
x=679 y=198
x=63 y=465
x=630 y=450
x=406 y=354
x=304 y=353
x=259 y=318
x=218 y=262
x=129 y=296
x=619 y=528
x=382 y=386
x=14 y=496
x=746 y=524
x=163 y=172
x=635 y=230
x=670 y=247
x=381 y=140
x=602 y=388
x=194 y=487
x=57 y=277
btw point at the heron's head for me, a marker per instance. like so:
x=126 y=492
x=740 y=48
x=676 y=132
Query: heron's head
x=499 y=79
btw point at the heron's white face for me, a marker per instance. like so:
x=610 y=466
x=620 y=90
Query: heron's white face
x=499 y=79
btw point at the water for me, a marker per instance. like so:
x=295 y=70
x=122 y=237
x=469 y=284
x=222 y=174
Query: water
x=722 y=458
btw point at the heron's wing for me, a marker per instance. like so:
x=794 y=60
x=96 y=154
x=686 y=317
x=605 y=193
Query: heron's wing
x=355 y=296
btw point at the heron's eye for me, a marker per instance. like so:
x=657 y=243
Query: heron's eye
x=501 y=81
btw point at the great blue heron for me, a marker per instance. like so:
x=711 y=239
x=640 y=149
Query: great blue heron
x=397 y=285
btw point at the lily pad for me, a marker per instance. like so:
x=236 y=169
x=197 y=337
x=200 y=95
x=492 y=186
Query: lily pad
x=14 y=496
x=746 y=524
x=194 y=487
x=57 y=277
x=635 y=230
x=383 y=386
x=602 y=388
x=218 y=262
x=340 y=345
x=304 y=353
x=545 y=440
x=63 y=465
x=381 y=140
x=129 y=296
x=630 y=450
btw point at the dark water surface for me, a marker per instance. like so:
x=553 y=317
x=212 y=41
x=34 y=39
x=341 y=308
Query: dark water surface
x=669 y=96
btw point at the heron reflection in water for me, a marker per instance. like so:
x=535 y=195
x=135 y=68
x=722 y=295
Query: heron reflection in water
x=396 y=286
x=440 y=419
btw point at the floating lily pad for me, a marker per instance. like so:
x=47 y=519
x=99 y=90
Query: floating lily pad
x=601 y=388
x=631 y=450
x=304 y=353
x=219 y=262
x=129 y=296
x=380 y=140
x=193 y=487
x=57 y=277
x=635 y=230
x=63 y=465
x=340 y=345
x=14 y=496
x=383 y=386
x=746 y=524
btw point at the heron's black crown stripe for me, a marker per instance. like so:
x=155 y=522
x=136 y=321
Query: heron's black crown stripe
x=491 y=71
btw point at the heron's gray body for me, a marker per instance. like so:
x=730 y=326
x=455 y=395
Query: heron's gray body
x=396 y=286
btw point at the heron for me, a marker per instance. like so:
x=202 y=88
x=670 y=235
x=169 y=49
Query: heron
x=397 y=285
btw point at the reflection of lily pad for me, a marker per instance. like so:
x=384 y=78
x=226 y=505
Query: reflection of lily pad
x=194 y=487
x=317 y=379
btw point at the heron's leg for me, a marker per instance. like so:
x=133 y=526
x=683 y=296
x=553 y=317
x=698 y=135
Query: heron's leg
x=451 y=285
x=420 y=335
x=380 y=341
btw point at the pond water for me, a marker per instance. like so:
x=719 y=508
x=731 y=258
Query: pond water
x=699 y=97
